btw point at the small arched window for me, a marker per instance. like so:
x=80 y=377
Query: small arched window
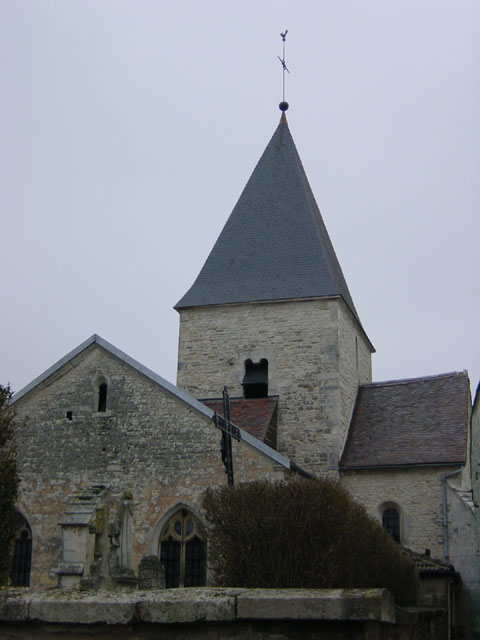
x=391 y=522
x=102 y=396
x=183 y=551
x=22 y=554
x=255 y=380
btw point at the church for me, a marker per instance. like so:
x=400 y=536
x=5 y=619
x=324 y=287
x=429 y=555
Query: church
x=114 y=459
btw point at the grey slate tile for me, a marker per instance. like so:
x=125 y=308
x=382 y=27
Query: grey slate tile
x=275 y=245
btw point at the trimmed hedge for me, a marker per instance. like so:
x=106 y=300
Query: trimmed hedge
x=302 y=534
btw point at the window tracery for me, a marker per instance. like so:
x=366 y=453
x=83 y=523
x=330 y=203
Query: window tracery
x=183 y=551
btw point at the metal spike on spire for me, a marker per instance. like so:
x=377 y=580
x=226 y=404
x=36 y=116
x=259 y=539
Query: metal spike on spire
x=283 y=105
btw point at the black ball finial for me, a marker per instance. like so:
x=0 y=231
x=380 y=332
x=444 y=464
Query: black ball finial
x=283 y=106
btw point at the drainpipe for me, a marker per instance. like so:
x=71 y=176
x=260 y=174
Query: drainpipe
x=445 y=514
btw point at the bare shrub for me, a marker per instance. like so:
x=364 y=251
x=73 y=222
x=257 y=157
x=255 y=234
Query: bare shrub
x=302 y=533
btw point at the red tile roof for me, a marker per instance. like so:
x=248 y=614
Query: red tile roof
x=409 y=422
x=426 y=565
x=258 y=416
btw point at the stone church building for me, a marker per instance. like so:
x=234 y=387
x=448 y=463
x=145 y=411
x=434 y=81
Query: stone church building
x=114 y=459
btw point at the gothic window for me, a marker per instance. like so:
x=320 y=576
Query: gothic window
x=22 y=554
x=183 y=551
x=391 y=522
x=255 y=380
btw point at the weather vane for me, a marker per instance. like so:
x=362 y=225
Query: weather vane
x=283 y=105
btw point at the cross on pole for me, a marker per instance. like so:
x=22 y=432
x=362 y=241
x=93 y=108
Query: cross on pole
x=284 y=64
x=228 y=430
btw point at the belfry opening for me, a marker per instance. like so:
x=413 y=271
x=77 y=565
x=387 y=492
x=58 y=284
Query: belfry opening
x=255 y=380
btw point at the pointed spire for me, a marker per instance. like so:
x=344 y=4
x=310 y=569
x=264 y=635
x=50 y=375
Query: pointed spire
x=275 y=245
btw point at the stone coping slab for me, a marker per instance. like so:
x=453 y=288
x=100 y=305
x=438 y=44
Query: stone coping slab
x=205 y=604
x=313 y=604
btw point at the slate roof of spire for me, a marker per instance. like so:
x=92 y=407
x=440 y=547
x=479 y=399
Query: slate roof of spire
x=275 y=245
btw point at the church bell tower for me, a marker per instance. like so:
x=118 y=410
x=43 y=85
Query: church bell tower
x=270 y=313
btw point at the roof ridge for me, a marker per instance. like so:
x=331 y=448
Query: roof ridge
x=389 y=383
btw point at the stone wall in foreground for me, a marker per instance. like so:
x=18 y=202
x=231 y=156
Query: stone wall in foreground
x=203 y=614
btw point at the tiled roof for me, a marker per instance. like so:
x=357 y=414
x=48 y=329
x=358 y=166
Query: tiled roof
x=425 y=564
x=258 y=416
x=275 y=245
x=420 y=421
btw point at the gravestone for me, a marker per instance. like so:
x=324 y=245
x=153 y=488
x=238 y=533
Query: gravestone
x=151 y=574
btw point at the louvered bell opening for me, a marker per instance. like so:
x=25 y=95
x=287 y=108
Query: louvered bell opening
x=255 y=380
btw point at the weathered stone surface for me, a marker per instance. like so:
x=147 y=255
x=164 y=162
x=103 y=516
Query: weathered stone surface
x=150 y=443
x=317 y=355
x=188 y=605
x=151 y=574
x=13 y=606
x=198 y=604
x=205 y=613
x=418 y=494
x=321 y=604
x=83 y=608
x=71 y=568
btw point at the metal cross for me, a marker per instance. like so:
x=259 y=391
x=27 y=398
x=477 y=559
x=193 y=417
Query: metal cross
x=226 y=443
x=284 y=65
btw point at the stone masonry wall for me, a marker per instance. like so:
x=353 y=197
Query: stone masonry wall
x=312 y=366
x=418 y=494
x=355 y=367
x=463 y=553
x=147 y=441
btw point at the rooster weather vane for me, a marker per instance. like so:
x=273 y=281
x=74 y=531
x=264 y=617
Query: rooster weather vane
x=283 y=105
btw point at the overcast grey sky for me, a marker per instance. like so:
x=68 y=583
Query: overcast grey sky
x=129 y=128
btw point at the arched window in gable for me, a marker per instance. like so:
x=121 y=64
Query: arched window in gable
x=22 y=554
x=391 y=522
x=102 y=400
x=182 y=551
x=102 y=396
